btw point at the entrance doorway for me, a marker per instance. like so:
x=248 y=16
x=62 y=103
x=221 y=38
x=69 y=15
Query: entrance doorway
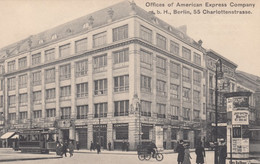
x=65 y=135
x=83 y=138
x=100 y=134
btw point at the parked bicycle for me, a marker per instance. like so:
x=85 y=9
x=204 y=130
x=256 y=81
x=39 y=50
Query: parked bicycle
x=145 y=155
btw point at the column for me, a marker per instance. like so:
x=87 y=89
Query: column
x=57 y=90
x=133 y=136
x=110 y=135
x=90 y=135
x=73 y=91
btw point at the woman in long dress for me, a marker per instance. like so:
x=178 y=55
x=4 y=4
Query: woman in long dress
x=200 y=152
x=187 y=156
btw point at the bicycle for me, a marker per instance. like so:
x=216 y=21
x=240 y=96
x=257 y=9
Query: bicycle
x=144 y=155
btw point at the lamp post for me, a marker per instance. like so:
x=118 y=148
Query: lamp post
x=99 y=139
x=218 y=74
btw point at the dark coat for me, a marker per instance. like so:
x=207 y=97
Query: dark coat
x=200 y=152
x=180 y=149
x=222 y=154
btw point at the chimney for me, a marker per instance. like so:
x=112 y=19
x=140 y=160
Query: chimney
x=110 y=13
x=200 y=42
x=133 y=8
x=90 y=22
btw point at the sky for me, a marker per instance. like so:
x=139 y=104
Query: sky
x=236 y=37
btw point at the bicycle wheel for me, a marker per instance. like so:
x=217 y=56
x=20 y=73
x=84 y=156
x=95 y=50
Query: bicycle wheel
x=147 y=157
x=159 y=157
x=141 y=157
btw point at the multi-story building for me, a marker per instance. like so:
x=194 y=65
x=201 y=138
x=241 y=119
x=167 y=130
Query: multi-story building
x=83 y=78
x=226 y=83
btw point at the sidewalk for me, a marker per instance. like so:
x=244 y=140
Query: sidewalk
x=8 y=154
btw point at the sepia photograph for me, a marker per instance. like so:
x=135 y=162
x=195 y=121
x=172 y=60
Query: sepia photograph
x=130 y=81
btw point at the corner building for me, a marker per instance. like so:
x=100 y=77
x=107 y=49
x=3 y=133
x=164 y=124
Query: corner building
x=81 y=77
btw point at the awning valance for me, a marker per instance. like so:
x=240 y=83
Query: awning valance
x=7 y=135
x=15 y=136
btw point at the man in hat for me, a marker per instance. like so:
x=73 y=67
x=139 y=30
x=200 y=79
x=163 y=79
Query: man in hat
x=180 y=150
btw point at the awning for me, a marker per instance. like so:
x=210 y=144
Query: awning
x=7 y=135
x=15 y=136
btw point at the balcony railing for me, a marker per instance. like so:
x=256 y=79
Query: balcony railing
x=121 y=114
x=146 y=114
x=174 y=117
x=101 y=115
x=161 y=115
x=82 y=116
x=65 y=117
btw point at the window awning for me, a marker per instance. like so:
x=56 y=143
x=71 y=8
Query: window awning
x=15 y=136
x=7 y=135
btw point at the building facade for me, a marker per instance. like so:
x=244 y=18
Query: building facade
x=117 y=75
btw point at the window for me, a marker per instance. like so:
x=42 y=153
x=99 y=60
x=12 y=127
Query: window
x=50 y=113
x=37 y=97
x=22 y=62
x=81 y=45
x=12 y=116
x=161 y=41
x=81 y=68
x=37 y=114
x=100 y=87
x=196 y=78
x=196 y=114
x=121 y=56
x=11 y=83
x=161 y=110
x=121 y=108
x=11 y=100
x=121 y=131
x=174 y=91
x=186 y=53
x=204 y=108
x=99 y=39
x=82 y=90
x=36 y=59
x=23 y=99
x=64 y=50
x=11 y=66
x=1 y=101
x=82 y=112
x=65 y=72
x=146 y=132
x=50 y=94
x=65 y=113
x=121 y=83
x=161 y=87
x=174 y=48
x=100 y=61
x=146 y=34
x=65 y=91
x=36 y=78
x=1 y=85
x=186 y=75
x=204 y=90
x=120 y=33
x=23 y=81
x=160 y=65
x=174 y=134
x=185 y=134
x=49 y=55
x=186 y=94
x=23 y=115
x=146 y=57
x=186 y=114
x=211 y=81
x=196 y=97
x=146 y=83
x=100 y=110
x=197 y=58
x=50 y=75
x=174 y=111
x=211 y=97
x=146 y=108
x=175 y=70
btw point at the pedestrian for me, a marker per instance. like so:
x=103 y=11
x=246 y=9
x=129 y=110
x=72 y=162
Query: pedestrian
x=71 y=148
x=91 y=146
x=64 y=149
x=223 y=153
x=180 y=150
x=77 y=143
x=123 y=145
x=187 y=156
x=109 y=146
x=127 y=146
x=98 y=148
x=200 y=153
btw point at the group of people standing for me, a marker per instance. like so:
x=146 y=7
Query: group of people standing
x=184 y=153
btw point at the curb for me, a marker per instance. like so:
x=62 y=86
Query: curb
x=26 y=159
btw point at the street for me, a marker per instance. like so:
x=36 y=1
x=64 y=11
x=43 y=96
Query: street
x=106 y=157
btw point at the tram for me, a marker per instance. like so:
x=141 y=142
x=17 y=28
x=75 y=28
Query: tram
x=36 y=141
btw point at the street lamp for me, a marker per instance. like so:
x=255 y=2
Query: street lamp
x=218 y=74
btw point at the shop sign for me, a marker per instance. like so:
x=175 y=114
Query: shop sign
x=240 y=117
x=119 y=125
x=149 y=125
x=240 y=102
x=240 y=161
x=100 y=126
x=65 y=124
x=240 y=145
x=229 y=104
